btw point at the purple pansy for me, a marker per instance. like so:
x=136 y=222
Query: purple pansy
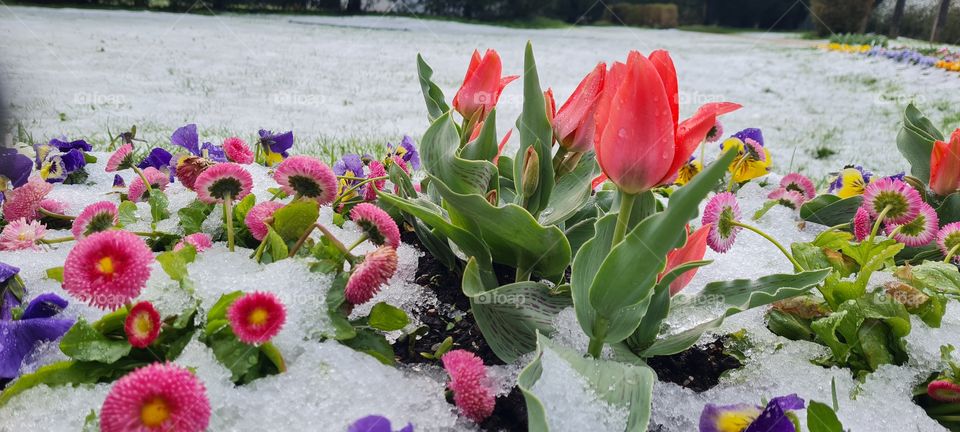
x=752 y=134
x=278 y=143
x=375 y=423
x=118 y=182
x=350 y=165
x=751 y=418
x=15 y=168
x=65 y=146
x=899 y=176
x=37 y=324
x=406 y=150
x=838 y=183
x=213 y=152
x=187 y=138
x=157 y=158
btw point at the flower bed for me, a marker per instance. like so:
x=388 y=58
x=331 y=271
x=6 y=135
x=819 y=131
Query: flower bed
x=623 y=270
x=876 y=46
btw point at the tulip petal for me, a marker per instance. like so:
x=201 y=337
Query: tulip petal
x=668 y=75
x=945 y=165
x=481 y=86
x=692 y=131
x=638 y=137
x=693 y=250
x=574 y=123
x=611 y=84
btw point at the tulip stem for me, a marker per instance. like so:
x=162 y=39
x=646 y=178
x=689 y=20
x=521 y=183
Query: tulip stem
x=953 y=252
x=595 y=349
x=623 y=218
x=759 y=232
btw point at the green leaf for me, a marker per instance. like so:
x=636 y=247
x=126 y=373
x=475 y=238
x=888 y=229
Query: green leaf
x=535 y=131
x=485 y=147
x=276 y=248
x=821 y=418
x=373 y=344
x=511 y=234
x=949 y=209
x=936 y=276
x=828 y=327
x=63 y=373
x=432 y=95
x=438 y=152
x=127 y=213
x=219 y=309
x=622 y=385
x=174 y=263
x=830 y=210
x=55 y=273
x=789 y=326
x=387 y=318
x=336 y=297
x=238 y=357
x=84 y=343
x=294 y=219
x=192 y=216
x=510 y=316
x=915 y=141
x=91 y=423
x=629 y=273
x=649 y=327
x=159 y=204
x=572 y=192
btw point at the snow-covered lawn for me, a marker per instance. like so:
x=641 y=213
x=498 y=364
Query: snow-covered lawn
x=343 y=80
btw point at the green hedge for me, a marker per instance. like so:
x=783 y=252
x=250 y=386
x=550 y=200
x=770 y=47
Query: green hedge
x=656 y=15
x=841 y=16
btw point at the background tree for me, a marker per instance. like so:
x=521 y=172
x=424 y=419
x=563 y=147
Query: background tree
x=940 y=21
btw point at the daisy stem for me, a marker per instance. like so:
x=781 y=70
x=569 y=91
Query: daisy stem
x=334 y=240
x=876 y=225
x=228 y=219
x=362 y=238
x=258 y=254
x=143 y=177
x=953 y=252
x=623 y=218
x=149 y=234
x=300 y=241
x=56 y=240
x=759 y=232
x=50 y=214
x=838 y=227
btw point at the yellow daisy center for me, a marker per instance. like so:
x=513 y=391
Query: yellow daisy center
x=142 y=324
x=105 y=266
x=155 y=412
x=258 y=317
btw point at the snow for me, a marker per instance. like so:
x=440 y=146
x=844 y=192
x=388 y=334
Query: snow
x=336 y=81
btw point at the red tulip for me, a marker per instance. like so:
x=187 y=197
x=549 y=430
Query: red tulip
x=693 y=250
x=574 y=125
x=945 y=165
x=481 y=86
x=639 y=142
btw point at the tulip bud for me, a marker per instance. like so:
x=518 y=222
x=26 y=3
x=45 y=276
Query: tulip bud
x=492 y=197
x=551 y=107
x=531 y=172
x=569 y=164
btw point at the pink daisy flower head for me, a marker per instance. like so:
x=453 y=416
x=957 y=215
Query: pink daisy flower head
x=121 y=159
x=715 y=132
x=901 y=200
x=158 y=397
x=787 y=198
x=800 y=183
x=468 y=381
x=307 y=177
x=222 y=181
x=96 y=217
x=189 y=168
x=370 y=189
x=20 y=235
x=237 y=151
x=376 y=269
x=944 y=391
x=53 y=206
x=376 y=224
x=949 y=240
x=199 y=241
x=918 y=232
x=257 y=216
x=142 y=325
x=107 y=269
x=256 y=317
x=721 y=212
x=862 y=224
x=158 y=180
x=24 y=201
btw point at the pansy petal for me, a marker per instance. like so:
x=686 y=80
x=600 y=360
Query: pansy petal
x=187 y=138
x=20 y=337
x=44 y=306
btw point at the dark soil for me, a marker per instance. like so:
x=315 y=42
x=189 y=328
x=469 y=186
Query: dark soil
x=698 y=368
x=451 y=318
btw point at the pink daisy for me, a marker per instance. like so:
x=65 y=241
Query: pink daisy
x=20 y=235
x=256 y=217
x=800 y=183
x=370 y=189
x=121 y=159
x=142 y=325
x=158 y=397
x=944 y=391
x=189 y=169
x=721 y=213
x=51 y=205
x=949 y=240
x=107 y=269
x=256 y=317
x=376 y=224
x=307 y=177
x=158 y=180
x=715 y=132
x=468 y=378
x=787 y=198
x=24 y=201
x=223 y=180
x=96 y=217
x=199 y=241
x=237 y=151
x=918 y=232
x=900 y=199
x=862 y=224
x=368 y=276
